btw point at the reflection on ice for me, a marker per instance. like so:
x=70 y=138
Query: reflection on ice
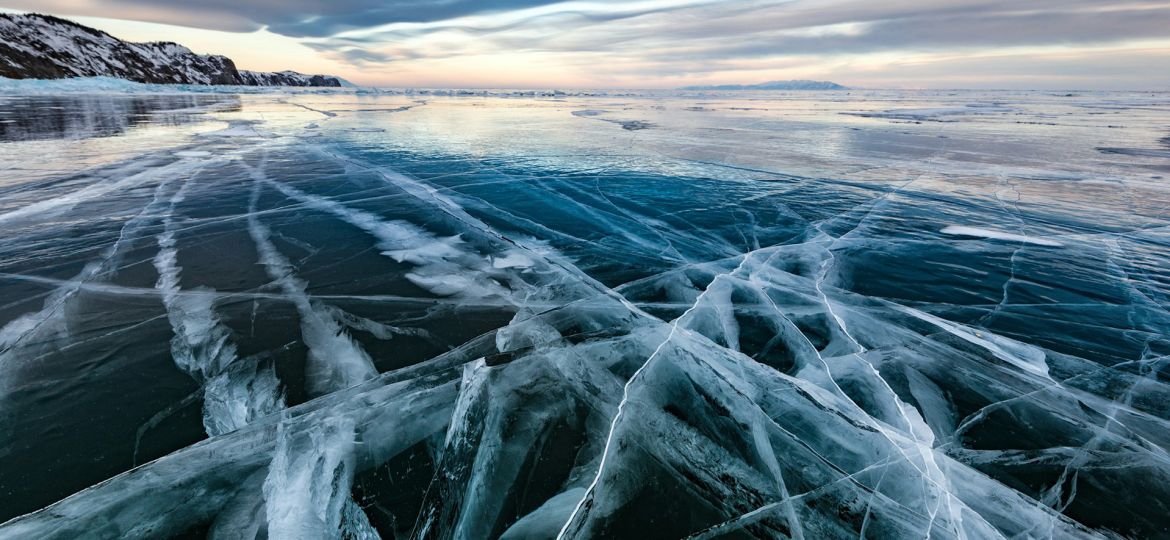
x=448 y=320
x=57 y=117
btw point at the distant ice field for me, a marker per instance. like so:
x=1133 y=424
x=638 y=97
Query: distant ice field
x=366 y=313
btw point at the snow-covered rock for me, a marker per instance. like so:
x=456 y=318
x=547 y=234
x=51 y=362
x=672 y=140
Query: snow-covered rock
x=34 y=46
x=285 y=78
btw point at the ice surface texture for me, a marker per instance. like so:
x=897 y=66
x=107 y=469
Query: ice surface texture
x=369 y=317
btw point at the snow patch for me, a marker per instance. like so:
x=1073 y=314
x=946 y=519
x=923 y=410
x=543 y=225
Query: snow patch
x=959 y=230
x=513 y=259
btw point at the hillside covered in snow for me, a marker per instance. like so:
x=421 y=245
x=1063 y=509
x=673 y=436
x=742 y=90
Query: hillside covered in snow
x=36 y=46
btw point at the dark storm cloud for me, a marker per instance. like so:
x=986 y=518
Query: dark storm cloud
x=296 y=18
x=713 y=32
x=362 y=56
x=660 y=32
x=345 y=47
x=353 y=53
x=761 y=33
x=943 y=31
x=322 y=18
x=327 y=18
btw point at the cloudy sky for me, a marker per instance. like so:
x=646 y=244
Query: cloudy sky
x=1046 y=44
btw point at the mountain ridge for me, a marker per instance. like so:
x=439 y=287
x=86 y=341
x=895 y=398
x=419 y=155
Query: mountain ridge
x=36 y=46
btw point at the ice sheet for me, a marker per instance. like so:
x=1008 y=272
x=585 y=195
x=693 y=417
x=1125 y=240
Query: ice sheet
x=499 y=315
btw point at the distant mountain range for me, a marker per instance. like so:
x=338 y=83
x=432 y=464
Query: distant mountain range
x=44 y=47
x=773 y=85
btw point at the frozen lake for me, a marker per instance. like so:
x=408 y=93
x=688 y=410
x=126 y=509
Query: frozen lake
x=652 y=315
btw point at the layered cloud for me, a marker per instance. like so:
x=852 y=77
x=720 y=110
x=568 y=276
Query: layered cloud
x=669 y=41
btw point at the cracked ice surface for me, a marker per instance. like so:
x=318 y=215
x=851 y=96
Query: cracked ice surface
x=885 y=315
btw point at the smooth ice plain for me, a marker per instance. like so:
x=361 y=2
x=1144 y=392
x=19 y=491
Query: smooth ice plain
x=801 y=315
